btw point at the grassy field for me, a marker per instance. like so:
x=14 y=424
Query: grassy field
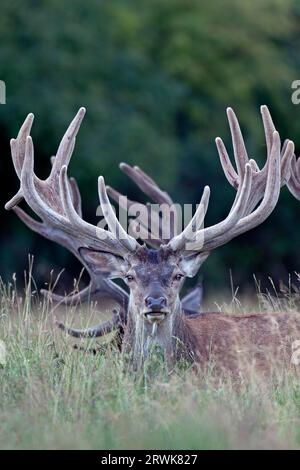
x=52 y=396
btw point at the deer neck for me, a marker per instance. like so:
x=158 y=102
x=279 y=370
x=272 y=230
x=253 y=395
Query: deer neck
x=143 y=338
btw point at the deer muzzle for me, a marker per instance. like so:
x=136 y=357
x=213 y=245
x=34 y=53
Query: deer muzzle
x=156 y=309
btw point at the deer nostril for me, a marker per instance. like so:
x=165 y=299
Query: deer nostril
x=155 y=302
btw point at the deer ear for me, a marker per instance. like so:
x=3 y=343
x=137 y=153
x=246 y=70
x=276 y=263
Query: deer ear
x=190 y=265
x=101 y=262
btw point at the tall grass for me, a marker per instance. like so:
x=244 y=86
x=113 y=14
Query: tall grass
x=52 y=396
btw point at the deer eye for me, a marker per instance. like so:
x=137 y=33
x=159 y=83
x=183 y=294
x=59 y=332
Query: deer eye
x=178 y=277
x=129 y=278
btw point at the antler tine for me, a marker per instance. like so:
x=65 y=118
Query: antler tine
x=34 y=225
x=114 y=225
x=97 y=331
x=76 y=196
x=14 y=201
x=92 y=292
x=285 y=164
x=119 y=198
x=286 y=161
x=98 y=289
x=228 y=169
x=18 y=144
x=298 y=168
x=239 y=148
x=147 y=213
x=293 y=183
x=239 y=152
x=194 y=225
x=30 y=193
x=146 y=184
x=269 y=127
x=69 y=300
x=67 y=143
x=145 y=176
x=94 y=332
x=18 y=154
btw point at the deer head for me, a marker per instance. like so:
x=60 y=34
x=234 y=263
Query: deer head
x=155 y=276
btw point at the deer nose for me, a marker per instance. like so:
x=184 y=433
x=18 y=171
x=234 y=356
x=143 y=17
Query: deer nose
x=155 y=304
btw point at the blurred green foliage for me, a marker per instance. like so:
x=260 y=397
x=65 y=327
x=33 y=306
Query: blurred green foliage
x=156 y=77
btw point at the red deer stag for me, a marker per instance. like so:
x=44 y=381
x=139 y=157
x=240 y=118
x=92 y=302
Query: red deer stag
x=99 y=287
x=155 y=276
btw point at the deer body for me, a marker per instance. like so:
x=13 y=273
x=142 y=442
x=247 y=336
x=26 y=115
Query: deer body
x=242 y=344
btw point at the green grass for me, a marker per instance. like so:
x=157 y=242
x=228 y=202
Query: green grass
x=52 y=396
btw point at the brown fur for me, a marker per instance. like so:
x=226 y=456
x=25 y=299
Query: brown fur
x=239 y=344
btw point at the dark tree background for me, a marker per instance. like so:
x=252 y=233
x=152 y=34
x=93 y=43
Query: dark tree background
x=156 y=78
